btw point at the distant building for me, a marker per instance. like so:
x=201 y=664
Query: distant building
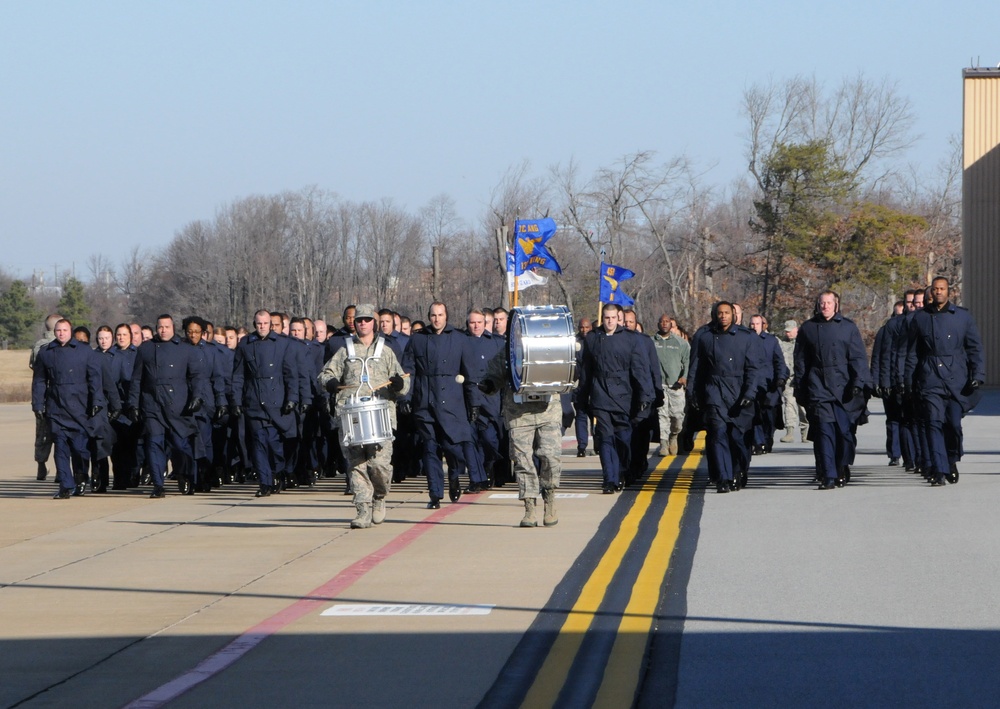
x=981 y=209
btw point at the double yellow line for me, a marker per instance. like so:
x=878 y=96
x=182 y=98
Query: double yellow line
x=622 y=672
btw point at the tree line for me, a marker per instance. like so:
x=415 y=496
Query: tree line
x=828 y=201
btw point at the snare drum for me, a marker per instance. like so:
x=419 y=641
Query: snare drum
x=365 y=420
x=542 y=349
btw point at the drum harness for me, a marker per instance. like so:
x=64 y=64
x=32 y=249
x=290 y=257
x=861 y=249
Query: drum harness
x=352 y=356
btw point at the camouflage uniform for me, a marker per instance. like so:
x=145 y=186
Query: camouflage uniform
x=674 y=354
x=793 y=414
x=535 y=429
x=370 y=465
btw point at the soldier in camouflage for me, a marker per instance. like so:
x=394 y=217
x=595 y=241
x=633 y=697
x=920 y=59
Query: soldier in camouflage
x=535 y=429
x=371 y=464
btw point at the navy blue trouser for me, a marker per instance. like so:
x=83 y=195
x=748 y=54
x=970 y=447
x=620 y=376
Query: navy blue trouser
x=614 y=444
x=72 y=455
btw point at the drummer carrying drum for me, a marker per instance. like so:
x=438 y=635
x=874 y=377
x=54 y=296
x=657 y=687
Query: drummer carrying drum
x=366 y=378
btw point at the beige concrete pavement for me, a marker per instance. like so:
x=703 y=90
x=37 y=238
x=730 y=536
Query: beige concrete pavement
x=106 y=597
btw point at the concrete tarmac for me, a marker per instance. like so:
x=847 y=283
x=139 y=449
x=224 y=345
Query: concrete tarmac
x=879 y=594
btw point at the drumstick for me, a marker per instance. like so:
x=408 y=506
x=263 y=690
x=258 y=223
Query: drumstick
x=383 y=384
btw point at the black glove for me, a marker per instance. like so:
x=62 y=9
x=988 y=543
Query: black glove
x=745 y=402
x=193 y=407
x=660 y=399
x=780 y=384
x=473 y=414
x=113 y=414
x=857 y=392
x=487 y=386
x=694 y=403
x=237 y=411
x=305 y=407
x=94 y=410
x=132 y=414
x=403 y=408
x=332 y=385
x=39 y=415
x=220 y=414
x=975 y=384
x=396 y=382
x=287 y=408
x=644 y=406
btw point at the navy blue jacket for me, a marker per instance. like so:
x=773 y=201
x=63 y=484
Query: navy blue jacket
x=830 y=361
x=66 y=382
x=945 y=354
x=773 y=370
x=615 y=374
x=166 y=376
x=645 y=344
x=437 y=397
x=481 y=351
x=265 y=377
x=726 y=366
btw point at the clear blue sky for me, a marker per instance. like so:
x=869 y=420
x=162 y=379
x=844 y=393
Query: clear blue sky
x=120 y=122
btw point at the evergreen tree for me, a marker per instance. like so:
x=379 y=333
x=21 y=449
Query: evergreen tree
x=18 y=315
x=73 y=304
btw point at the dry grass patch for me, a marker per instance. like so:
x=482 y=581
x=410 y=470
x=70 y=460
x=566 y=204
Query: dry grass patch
x=15 y=377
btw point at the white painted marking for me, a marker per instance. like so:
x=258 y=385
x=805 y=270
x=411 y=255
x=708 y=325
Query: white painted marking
x=354 y=609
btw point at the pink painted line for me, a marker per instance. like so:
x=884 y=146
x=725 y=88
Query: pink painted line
x=220 y=660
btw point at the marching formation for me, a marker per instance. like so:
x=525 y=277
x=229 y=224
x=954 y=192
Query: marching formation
x=382 y=399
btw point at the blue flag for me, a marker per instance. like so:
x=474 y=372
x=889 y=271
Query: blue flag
x=611 y=276
x=530 y=236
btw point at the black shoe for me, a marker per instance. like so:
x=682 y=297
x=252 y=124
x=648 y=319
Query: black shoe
x=434 y=504
x=580 y=453
x=619 y=487
x=938 y=481
x=828 y=484
x=952 y=475
x=63 y=494
x=722 y=486
x=43 y=472
x=893 y=461
x=845 y=474
x=473 y=489
x=608 y=489
x=80 y=490
x=157 y=493
x=454 y=491
x=263 y=491
x=841 y=482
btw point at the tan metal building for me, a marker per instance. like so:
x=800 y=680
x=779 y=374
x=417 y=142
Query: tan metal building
x=981 y=209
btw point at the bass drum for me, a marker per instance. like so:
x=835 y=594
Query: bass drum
x=541 y=349
x=365 y=420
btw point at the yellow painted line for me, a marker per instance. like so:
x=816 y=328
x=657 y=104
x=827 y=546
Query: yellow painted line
x=555 y=670
x=623 y=671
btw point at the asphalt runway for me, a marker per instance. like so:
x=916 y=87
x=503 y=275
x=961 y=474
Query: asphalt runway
x=878 y=594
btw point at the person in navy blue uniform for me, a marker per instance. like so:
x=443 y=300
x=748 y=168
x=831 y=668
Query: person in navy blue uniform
x=913 y=434
x=266 y=389
x=644 y=424
x=124 y=453
x=67 y=389
x=882 y=378
x=723 y=379
x=102 y=443
x=832 y=383
x=581 y=420
x=405 y=459
x=945 y=368
x=484 y=409
x=167 y=381
x=615 y=388
x=439 y=403
x=214 y=404
x=774 y=374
